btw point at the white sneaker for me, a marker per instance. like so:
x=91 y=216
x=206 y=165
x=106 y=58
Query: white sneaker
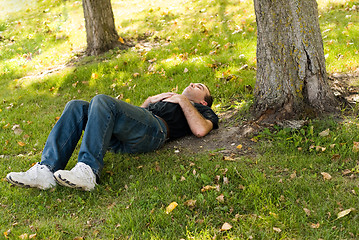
x=81 y=177
x=38 y=176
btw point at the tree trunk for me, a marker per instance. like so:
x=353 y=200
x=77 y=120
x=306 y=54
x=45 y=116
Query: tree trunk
x=291 y=74
x=100 y=26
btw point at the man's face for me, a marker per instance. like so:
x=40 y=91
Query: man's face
x=196 y=92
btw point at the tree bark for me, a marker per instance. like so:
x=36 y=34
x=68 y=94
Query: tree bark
x=100 y=26
x=291 y=73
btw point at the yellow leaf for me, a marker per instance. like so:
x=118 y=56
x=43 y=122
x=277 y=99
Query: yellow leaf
x=21 y=144
x=170 y=207
x=136 y=74
x=226 y=226
x=315 y=225
x=239 y=147
x=94 y=75
x=207 y=188
x=326 y=176
x=228 y=158
x=344 y=213
x=6 y=234
x=32 y=236
x=120 y=39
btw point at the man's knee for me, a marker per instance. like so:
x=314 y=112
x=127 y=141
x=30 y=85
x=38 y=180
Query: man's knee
x=101 y=99
x=75 y=104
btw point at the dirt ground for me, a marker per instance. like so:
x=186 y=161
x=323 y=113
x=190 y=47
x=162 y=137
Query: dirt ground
x=233 y=139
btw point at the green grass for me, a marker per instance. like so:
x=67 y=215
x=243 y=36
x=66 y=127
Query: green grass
x=205 y=41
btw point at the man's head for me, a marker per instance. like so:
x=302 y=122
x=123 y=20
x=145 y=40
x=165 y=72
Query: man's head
x=198 y=93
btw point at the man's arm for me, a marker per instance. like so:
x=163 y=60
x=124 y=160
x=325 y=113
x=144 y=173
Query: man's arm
x=156 y=98
x=199 y=126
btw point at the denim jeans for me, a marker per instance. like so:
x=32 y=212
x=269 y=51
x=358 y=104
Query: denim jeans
x=108 y=124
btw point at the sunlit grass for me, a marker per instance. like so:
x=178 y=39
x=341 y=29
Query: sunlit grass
x=192 y=41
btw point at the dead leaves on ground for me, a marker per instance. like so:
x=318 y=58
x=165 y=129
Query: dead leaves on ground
x=7 y=235
x=20 y=138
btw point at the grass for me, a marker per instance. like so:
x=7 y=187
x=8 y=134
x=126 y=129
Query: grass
x=277 y=193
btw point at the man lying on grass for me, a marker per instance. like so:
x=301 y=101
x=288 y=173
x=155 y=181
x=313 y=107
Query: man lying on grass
x=111 y=124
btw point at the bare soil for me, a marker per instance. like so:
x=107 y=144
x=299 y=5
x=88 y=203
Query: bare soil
x=234 y=139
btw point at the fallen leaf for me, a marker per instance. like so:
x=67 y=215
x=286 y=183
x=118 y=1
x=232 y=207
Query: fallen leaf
x=32 y=236
x=225 y=180
x=170 y=207
x=136 y=74
x=94 y=75
x=207 y=188
x=120 y=39
x=319 y=148
x=277 y=229
x=220 y=198
x=326 y=176
x=239 y=147
x=190 y=203
x=22 y=144
x=6 y=234
x=315 y=225
x=23 y=236
x=355 y=147
x=324 y=133
x=293 y=175
x=307 y=211
x=227 y=158
x=17 y=130
x=344 y=213
x=226 y=226
x=157 y=167
x=336 y=157
x=346 y=172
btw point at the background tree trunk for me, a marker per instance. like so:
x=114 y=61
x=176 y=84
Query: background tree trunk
x=100 y=26
x=291 y=73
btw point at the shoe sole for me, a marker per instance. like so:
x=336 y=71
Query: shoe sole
x=20 y=184
x=66 y=183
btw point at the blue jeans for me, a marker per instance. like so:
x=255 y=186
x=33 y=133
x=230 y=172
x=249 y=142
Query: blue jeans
x=108 y=124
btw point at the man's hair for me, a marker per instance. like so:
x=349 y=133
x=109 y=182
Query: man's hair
x=208 y=98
